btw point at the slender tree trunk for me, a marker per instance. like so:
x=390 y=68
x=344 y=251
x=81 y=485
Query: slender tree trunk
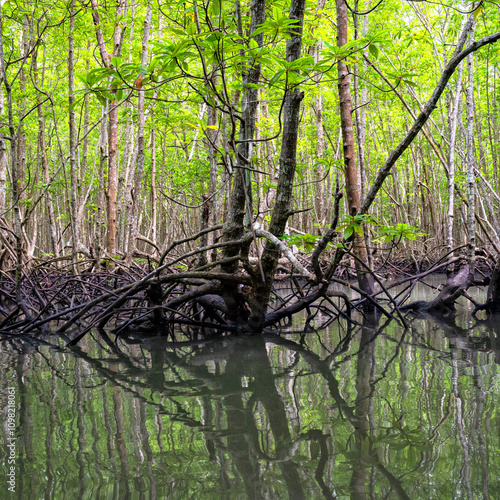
x=451 y=159
x=261 y=288
x=4 y=160
x=139 y=168
x=42 y=152
x=240 y=193
x=154 y=196
x=471 y=162
x=84 y=163
x=360 y=102
x=129 y=156
x=353 y=190
x=101 y=211
x=320 y=133
x=112 y=120
x=14 y=150
x=214 y=139
x=72 y=143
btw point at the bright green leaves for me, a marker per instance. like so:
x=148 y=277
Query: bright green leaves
x=292 y=72
x=373 y=50
x=276 y=77
x=175 y=56
x=398 y=232
x=354 y=224
x=112 y=83
x=403 y=77
x=276 y=25
x=332 y=54
x=478 y=10
x=304 y=242
x=350 y=226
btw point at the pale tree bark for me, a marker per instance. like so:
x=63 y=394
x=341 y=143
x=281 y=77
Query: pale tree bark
x=101 y=211
x=42 y=155
x=74 y=180
x=214 y=139
x=13 y=137
x=353 y=190
x=129 y=155
x=139 y=167
x=112 y=119
x=84 y=158
x=492 y=118
x=471 y=161
x=21 y=134
x=128 y=164
x=4 y=160
x=197 y=132
x=315 y=52
x=154 y=195
x=451 y=160
x=270 y=153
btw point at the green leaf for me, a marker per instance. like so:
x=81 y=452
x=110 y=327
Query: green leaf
x=373 y=50
x=478 y=10
x=410 y=83
x=83 y=79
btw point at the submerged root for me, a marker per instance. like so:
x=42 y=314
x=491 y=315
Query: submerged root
x=156 y=303
x=444 y=303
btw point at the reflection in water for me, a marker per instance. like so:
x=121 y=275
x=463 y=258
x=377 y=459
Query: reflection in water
x=368 y=414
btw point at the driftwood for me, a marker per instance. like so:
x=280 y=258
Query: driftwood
x=445 y=301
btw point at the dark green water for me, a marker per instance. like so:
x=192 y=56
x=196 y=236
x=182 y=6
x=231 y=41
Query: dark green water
x=379 y=413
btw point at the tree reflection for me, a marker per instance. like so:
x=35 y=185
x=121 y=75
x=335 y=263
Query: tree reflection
x=365 y=414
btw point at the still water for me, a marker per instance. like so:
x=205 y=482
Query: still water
x=374 y=413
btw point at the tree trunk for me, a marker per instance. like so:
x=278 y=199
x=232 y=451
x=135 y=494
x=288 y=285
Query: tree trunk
x=241 y=193
x=471 y=162
x=16 y=187
x=4 y=160
x=451 y=159
x=319 y=161
x=261 y=288
x=75 y=233
x=113 y=121
x=353 y=190
x=213 y=136
x=360 y=102
x=139 y=169
x=154 y=212
x=42 y=152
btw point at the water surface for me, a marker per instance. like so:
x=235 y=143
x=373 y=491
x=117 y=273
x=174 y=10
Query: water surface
x=373 y=412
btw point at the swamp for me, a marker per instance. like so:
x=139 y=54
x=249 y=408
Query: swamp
x=249 y=249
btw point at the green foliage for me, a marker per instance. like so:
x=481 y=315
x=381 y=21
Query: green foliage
x=304 y=242
x=398 y=232
x=354 y=224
